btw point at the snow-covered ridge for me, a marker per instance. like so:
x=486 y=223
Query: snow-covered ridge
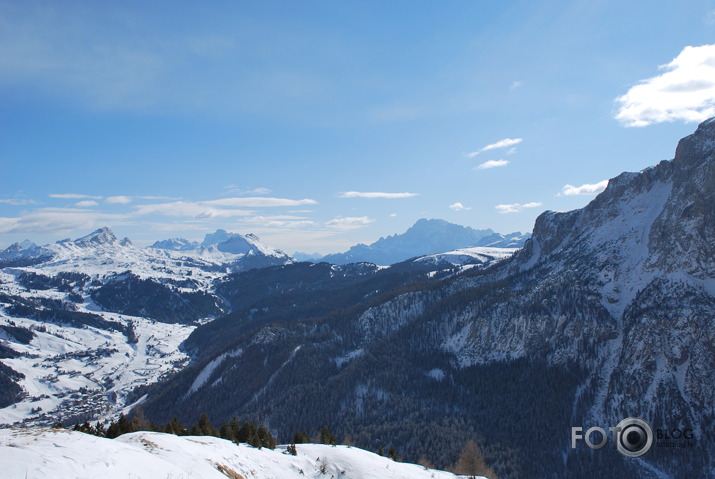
x=67 y=454
x=100 y=252
x=464 y=256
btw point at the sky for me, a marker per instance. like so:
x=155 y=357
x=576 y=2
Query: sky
x=317 y=125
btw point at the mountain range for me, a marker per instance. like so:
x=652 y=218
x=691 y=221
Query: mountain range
x=116 y=315
x=607 y=312
x=425 y=237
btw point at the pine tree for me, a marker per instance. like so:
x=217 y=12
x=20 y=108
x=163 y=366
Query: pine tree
x=176 y=428
x=204 y=427
x=326 y=437
x=392 y=454
x=234 y=427
x=265 y=438
x=248 y=434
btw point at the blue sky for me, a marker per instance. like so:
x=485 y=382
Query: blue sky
x=320 y=124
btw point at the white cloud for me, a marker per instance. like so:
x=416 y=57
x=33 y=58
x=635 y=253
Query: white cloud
x=235 y=190
x=258 y=202
x=280 y=221
x=122 y=200
x=59 y=221
x=188 y=209
x=349 y=223
x=587 y=189
x=492 y=164
x=516 y=84
x=18 y=202
x=375 y=194
x=221 y=208
x=685 y=92
x=86 y=204
x=459 y=207
x=505 y=143
x=516 y=207
x=73 y=196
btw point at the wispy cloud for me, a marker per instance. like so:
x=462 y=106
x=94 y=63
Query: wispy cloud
x=188 y=209
x=258 y=202
x=459 y=207
x=73 y=196
x=121 y=200
x=516 y=84
x=59 y=221
x=235 y=190
x=685 y=92
x=587 y=189
x=505 y=143
x=375 y=194
x=491 y=164
x=18 y=202
x=280 y=221
x=86 y=204
x=349 y=223
x=516 y=207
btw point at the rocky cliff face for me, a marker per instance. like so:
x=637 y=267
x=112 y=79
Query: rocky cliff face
x=625 y=287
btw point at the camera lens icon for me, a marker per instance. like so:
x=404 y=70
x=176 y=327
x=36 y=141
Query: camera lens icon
x=634 y=437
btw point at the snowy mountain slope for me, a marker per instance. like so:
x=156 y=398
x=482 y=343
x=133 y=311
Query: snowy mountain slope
x=67 y=454
x=176 y=244
x=607 y=312
x=241 y=251
x=73 y=374
x=87 y=310
x=623 y=287
x=89 y=307
x=425 y=237
x=467 y=257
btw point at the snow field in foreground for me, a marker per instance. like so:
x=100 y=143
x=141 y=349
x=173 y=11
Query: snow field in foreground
x=41 y=453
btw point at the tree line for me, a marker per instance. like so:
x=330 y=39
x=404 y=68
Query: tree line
x=471 y=460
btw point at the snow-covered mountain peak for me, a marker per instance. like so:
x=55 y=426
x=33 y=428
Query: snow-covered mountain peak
x=102 y=236
x=218 y=236
x=176 y=244
x=21 y=246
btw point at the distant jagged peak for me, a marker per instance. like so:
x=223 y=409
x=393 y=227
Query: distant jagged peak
x=217 y=237
x=20 y=246
x=425 y=237
x=176 y=244
x=101 y=236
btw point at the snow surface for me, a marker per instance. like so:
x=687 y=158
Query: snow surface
x=89 y=371
x=463 y=256
x=41 y=453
